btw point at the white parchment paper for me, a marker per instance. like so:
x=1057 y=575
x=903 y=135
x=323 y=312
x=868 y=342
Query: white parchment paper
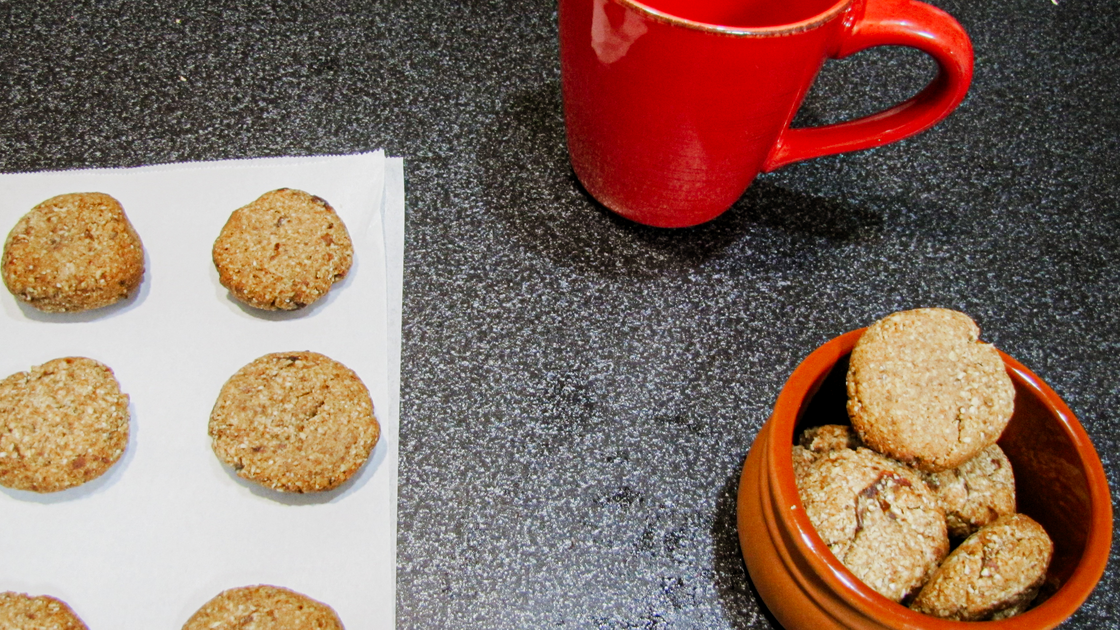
x=169 y=527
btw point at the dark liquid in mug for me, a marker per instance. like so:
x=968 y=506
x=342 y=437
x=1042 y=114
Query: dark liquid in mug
x=742 y=13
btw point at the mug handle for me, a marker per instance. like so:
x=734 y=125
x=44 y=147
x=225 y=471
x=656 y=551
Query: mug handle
x=890 y=23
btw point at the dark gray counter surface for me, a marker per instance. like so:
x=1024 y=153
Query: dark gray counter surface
x=579 y=392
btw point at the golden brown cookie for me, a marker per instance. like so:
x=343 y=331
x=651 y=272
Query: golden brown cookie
x=993 y=574
x=73 y=253
x=829 y=437
x=263 y=608
x=877 y=517
x=294 y=421
x=62 y=424
x=283 y=251
x=924 y=390
x=821 y=439
x=975 y=493
x=802 y=459
x=19 y=611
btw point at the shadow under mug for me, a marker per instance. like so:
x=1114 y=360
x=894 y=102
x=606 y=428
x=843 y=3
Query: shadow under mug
x=673 y=107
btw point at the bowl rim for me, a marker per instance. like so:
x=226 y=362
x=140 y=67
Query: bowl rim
x=1064 y=602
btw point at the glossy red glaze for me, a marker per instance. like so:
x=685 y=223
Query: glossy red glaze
x=670 y=118
x=1059 y=478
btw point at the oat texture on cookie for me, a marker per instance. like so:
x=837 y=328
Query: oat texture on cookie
x=876 y=516
x=283 y=251
x=294 y=422
x=19 y=611
x=263 y=608
x=994 y=574
x=924 y=390
x=72 y=253
x=62 y=423
x=975 y=493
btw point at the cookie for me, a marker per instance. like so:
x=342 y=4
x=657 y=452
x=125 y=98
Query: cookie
x=295 y=422
x=19 y=611
x=877 y=517
x=922 y=389
x=993 y=574
x=263 y=608
x=829 y=437
x=73 y=253
x=62 y=423
x=821 y=439
x=284 y=251
x=975 y=493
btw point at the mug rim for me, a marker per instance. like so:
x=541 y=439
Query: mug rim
x=812 y=22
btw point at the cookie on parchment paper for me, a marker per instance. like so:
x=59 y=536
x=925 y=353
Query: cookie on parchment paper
x=62 y=423
x=19 y=611
x=994 y=574
x=263 y=608
x=294 y=422
x=73 y=253
x=975 y=493
x=283 y=251
x=877 y=517
x=924 y=390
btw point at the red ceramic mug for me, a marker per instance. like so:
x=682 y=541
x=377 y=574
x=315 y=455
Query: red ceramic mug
x=673 y=107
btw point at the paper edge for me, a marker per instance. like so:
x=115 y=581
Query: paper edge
x=393 y=223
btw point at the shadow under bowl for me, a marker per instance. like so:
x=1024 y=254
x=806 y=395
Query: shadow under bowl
x=1059 y=479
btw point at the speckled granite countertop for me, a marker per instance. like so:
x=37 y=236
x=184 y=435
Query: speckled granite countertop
x=579 y=392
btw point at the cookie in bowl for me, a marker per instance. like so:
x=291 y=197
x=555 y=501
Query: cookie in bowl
x=975 y=493
x=877 y=517
x=924 y=390
x=994 y=574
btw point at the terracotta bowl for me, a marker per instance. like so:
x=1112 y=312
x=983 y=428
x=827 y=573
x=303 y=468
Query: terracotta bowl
x=1059 y=478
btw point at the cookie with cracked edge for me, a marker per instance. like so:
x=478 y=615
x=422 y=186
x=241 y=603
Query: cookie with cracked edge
x=924 y=390
x=294 y=422
x=283 y=251
x=820 y=439
x=263 y=607
x=877 y=517
x=975 y=493
x=829 y=437
x=72 y=253
x=994 y=574
x=20 y=611
x=62 y=423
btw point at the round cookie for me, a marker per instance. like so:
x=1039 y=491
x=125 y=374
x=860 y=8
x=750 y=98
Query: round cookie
x=284 y=251
x=975 y=493
x=295 y=422
x=993 y=574
x=62 y=423
x=876 y=516
x=923 y=390
x=19 y=611
x=263 y=608
x=73 y=253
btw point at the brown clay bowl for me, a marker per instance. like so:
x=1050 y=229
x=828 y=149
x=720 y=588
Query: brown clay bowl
x=1059 y=478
